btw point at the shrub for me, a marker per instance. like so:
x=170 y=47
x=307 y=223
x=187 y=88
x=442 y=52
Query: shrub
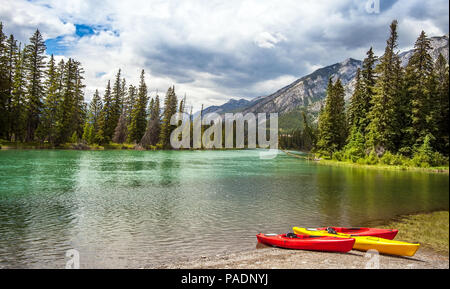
x=353 y=154
x=372 y=159
x=387 y=158
x=405 y=151
x=439 y=160
x=338 y=156
x=399 y=160
x=423 y=157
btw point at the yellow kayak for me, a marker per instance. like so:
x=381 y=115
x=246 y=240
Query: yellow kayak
x=383 y=246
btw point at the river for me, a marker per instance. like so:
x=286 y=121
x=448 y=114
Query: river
x=132 y=209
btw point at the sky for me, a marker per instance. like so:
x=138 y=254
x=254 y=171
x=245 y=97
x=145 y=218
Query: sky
x=211 y=50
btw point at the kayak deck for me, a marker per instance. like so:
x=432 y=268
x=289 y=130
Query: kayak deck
x=363 y=243
x=389 y=234
x=305 y=242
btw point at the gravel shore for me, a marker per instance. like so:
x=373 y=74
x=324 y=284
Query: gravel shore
x=274 y=258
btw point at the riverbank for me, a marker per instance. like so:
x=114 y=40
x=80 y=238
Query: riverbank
x=384 y=167
x=365 y=166
x=427 y=228
x=66 y=146
x=431 y=230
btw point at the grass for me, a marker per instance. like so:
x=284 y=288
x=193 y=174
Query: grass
x=430 y=230
x=65 y=146
x=384 y=167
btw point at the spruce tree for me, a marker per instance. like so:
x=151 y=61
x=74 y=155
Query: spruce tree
x=356 y=112
x=71 y=109
x=121 y=131
x=104 y=133
x=18 y=100
x=95 y=109
x=420 y=87
x=35 y=65
x=151 y=136
x=368 y=82
x=65 y=125
x=129 y=102
x=381 y=129
x=3 y=84
x=47 y=128
x=79 y=109
x=170 y=108
x=440 y=111
x=139 y=115
x=116 y=105
x=332 y=120
x=11 y=53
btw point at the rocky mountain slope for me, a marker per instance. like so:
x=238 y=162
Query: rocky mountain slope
x=310 y=91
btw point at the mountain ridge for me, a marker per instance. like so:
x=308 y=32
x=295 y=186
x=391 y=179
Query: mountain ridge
x=310 y=91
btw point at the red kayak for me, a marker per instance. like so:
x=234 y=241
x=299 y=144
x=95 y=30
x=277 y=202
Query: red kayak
x=366 y=232
x=302 y=242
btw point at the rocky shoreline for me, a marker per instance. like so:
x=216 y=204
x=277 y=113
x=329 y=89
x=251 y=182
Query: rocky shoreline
x=274 y=258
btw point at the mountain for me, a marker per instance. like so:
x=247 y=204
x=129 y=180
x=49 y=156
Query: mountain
x=439 y=46
x=230 y=106
x=310 y=91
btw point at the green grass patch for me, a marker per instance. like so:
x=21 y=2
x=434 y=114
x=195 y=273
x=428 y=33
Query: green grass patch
x=430 y=230
x=443 y=169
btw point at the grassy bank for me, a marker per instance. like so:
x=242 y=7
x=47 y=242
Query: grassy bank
x=66 y=146
x=430 y=230
x=384 y=167
x=367 y=166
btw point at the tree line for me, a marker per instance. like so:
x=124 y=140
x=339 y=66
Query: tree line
x=43 y=101
x=394 y=112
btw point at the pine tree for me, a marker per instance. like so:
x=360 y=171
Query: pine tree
x=139 y=115
x=332 y=120
x=71 y=109
x=420 y=86
x=151 y=136
x=95 y=109
x=47 y=128
x=18 y=100
x=88 y=133
x=170 y=108
x=11 y=53
x=440 y=111
x=381 y=129
x=104 y=133
x=116 y=106
x=79 y=109
x=92 y=120
x=368 y=82
x=129 y=102
x=121 y=131
x=35 y=65
x=3 y=84
x=308 y=135
x=356 y=112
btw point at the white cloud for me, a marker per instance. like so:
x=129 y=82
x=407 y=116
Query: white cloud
x=215 y=50
x=269 y=40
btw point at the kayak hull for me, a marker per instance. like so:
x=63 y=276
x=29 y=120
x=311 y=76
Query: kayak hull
x=389 y=234
x=385 y=246
x=304 y=242
x=363 y=243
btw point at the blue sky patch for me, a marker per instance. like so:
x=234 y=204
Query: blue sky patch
x=82 y=30
x=56 y=46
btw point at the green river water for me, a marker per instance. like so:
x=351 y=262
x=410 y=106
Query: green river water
x=130 y=209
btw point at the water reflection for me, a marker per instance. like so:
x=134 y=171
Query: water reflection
x=128 y=209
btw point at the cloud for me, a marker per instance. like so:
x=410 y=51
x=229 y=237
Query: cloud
x=216 y=50
x=268 y=40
